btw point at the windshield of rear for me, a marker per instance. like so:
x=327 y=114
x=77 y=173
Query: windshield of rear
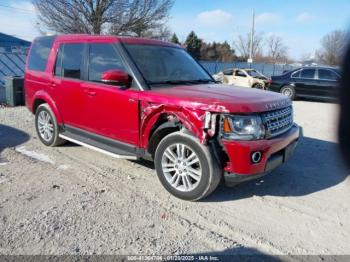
x=166 y=65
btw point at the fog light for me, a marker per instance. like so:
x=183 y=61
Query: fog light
x=256 y=157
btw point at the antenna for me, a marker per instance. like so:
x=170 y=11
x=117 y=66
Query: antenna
x=250 y=59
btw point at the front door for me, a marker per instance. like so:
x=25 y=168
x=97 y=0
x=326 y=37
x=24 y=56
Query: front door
x=240 y=78
x=113 y=111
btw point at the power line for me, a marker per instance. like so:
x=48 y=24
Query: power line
x=16 y=8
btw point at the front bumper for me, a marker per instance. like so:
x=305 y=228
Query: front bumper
x=274 y=151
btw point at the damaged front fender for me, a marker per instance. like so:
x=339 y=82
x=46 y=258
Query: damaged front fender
x=198 y=122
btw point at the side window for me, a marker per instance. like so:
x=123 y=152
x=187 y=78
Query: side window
x=72 y=56
x=296 y=74
x=103 y=57
x=240 y=73
x=39 y=53
x=307 y=73
x=325 y=74
x=228 y=72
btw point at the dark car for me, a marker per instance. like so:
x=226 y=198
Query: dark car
x=308 y=82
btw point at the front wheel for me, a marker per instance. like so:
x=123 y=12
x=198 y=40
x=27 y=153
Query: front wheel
x=258 y=86
x=185 y=167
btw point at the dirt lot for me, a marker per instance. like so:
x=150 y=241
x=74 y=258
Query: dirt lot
x=71 y=200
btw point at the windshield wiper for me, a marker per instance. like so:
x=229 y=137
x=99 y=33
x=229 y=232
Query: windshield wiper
x=181 y=82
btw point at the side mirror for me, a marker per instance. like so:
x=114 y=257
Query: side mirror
x=116 y=77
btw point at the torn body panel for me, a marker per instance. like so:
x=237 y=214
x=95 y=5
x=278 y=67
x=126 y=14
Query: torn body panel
x=192 y=120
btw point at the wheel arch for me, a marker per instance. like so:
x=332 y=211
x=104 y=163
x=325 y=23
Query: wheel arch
x=42 y=98
x=158 y=123
x=161 y=129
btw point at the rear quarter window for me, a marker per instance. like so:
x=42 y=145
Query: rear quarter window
x=39 y=53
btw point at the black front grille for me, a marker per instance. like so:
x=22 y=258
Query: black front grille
x=278 y=121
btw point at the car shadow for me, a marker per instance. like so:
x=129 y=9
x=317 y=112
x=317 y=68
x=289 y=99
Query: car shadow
x=315 y=166
x=11 y=137
x=239 y=253
x=318 y=100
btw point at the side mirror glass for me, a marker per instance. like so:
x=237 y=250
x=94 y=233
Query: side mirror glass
x=117 y=78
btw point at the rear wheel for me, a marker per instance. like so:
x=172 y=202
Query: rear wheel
x=288 y=91
x=46 y=126
x=185 y=167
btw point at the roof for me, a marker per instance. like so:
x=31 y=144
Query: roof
x=317 y=67
x=6 y=40
x=112 y=38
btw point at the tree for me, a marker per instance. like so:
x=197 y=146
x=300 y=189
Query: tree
x=276 y=48
x=226 y=53
x=217 y=52
x=130 y=17
x=333 y=48
x=174 y=39
x=242 y=44
x=193 y=45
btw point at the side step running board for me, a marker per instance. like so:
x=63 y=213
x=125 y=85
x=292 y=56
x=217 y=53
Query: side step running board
x=98 y=149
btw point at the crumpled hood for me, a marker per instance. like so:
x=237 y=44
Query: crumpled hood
x=218 y=98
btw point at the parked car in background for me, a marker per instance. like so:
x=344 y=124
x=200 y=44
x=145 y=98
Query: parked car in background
x=308 y=82
x=139 y=98
x=243 y=77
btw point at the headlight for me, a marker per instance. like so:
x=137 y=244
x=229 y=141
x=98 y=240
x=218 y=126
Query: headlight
x=243 y=127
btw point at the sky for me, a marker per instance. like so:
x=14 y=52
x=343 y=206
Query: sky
x=300 y=23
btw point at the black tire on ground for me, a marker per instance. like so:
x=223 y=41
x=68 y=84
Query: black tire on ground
x=55 y=140
x=211 y=173
x=288 y=91
x=258 y=86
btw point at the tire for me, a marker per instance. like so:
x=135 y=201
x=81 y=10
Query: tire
x=258 y=86
x=204 y=175
x=288 y=91
x=46 y=126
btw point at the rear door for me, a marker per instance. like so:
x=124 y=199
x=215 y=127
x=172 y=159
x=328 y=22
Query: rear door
x=305 y=82
x=328 y=81
x=113 y=111
x=67 y=82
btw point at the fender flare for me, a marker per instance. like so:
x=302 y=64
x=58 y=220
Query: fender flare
x=42 y=95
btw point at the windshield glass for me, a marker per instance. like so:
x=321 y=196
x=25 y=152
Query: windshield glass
x=253 y=73
x=166 y=65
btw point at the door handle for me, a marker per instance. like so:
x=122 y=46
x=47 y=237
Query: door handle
x=132 y=100
x=90 y=92
x=52 y=84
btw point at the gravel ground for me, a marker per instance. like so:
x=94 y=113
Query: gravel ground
x=71 y=200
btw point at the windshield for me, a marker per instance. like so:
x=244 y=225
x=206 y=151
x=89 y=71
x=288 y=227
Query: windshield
x=254 y=73
x=163 y=65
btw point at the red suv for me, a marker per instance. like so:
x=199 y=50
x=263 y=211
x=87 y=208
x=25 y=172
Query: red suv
x=138 y=98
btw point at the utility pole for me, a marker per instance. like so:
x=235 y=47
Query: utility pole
x=250 y=59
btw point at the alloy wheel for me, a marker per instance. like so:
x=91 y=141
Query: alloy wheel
x=45 y=126
x=181 y=167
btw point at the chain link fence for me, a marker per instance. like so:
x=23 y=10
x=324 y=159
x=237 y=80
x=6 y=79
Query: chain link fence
x=265 y=68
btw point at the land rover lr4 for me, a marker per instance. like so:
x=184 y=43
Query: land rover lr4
x=138 y=98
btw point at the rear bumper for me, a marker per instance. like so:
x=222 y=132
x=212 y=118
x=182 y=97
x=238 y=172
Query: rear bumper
x=274 y=152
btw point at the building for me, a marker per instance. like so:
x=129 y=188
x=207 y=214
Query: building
x=12 y=44
x=13 y=52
